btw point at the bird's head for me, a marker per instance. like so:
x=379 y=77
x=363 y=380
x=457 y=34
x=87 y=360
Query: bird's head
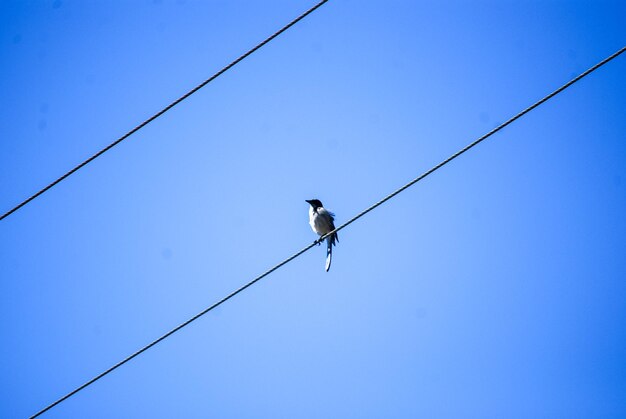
x=315 y=203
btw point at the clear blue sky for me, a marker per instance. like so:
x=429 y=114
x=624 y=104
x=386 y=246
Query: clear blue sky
x=495 y=288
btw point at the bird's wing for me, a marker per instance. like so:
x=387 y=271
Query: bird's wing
x=331 y=224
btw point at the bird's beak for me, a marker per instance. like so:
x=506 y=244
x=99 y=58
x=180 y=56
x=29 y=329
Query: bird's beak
x=308 y=200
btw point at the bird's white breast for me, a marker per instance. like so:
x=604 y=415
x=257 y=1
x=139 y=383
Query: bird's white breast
x=319 y=221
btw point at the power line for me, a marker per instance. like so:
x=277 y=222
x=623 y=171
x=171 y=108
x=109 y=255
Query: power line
x=382 y=201
x=481 y=139
x=162 y=111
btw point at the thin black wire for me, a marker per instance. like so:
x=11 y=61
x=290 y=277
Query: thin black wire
x=174 y=330
x=388 y=197
x=484 y=137
x=161 y=112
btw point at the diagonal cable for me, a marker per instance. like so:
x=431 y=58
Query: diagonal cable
x=361 y=214
x=481 y=139
x=161 y=112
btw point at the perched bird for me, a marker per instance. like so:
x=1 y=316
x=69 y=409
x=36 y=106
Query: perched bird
x=322 y=222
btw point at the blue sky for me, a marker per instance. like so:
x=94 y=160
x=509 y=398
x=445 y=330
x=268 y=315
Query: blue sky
x=494 y=288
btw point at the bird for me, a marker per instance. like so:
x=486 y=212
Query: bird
x=322 y=222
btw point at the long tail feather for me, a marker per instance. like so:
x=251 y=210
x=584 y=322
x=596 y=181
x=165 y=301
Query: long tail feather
x=329 y=253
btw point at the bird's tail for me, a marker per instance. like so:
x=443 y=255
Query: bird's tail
x=330 y=242
x=329 y=253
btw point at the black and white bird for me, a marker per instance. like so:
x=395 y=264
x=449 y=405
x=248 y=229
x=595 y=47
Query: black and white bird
x=322 y=222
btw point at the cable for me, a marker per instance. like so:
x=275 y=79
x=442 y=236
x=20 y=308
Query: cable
x=174 y=330
x=388 y=197
x=161 y=112
x=484 y=137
